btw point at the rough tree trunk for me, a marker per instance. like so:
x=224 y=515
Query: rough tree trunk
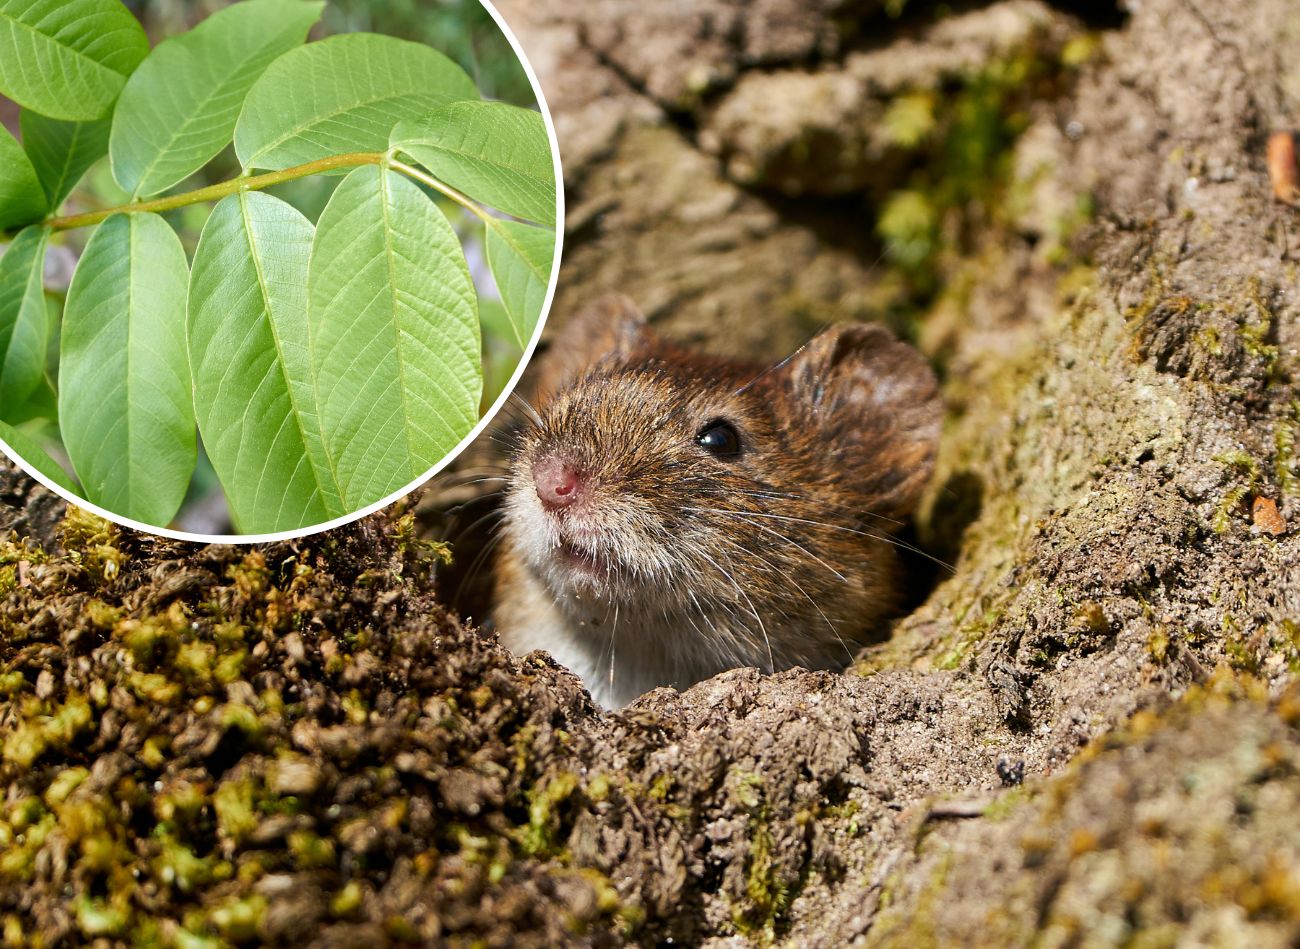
x=1108 y=288
x=1120 y=388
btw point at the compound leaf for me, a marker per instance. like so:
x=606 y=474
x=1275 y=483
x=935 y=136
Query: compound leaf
x=61 y=152
x=24 y=321
x=394 y=334
x=494 y=152
x=21 y=197
x=520 y=258
x=254 y=394
x=179 y=108
x=21 y=445
x=68 y=59
x=125 y=403
x=343 y=94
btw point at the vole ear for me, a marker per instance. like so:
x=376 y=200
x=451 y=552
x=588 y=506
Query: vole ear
x=876 y=403
x=610 y=326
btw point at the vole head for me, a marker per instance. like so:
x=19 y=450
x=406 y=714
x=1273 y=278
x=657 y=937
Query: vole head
x=660 y=480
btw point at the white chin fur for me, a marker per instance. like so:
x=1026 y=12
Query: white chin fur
x=641 y=568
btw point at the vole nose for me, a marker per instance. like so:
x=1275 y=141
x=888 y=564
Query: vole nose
x=559 y=484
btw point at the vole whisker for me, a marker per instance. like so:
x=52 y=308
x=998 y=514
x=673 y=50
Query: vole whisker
x=774 y=533
x=753 y=609
x=773 y=368
x=789 y=576
x=884 y=538
x=479 y=560
x=821 y=504
x=516 y=399
x=494 y=514
x=481 y=479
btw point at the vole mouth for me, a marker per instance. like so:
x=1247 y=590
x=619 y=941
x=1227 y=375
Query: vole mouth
x=582 y=560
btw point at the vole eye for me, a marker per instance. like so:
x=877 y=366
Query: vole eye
x=719 y=438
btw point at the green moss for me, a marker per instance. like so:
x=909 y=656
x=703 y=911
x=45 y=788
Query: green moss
x=176 y=865
x=230 y=666
x=154 y=687
x=1081 y=50
x=311 y=851
x=1244 y=469
x=405 y=532
x=347 y=901
x=598 y=788
x=237 y=919
x=1255 y=333
x=151 y=640
x=236 y=715
x=962 y=142
x=101 y=615
x=538 y=836
x=767 y=897
x=11 y=683
x=64 y=783
x=909 y=226
x=194 y=661
x=97 y=918
x=1158 y=644
x=1284 y=456
x=92 y=542
x=661 y=787
x=1008 y=803
x=234 y=804
x=1287 y=642
x=910 y=119
x=970 y=634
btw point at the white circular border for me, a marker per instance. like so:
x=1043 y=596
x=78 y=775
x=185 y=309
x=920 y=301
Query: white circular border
x=450 y=456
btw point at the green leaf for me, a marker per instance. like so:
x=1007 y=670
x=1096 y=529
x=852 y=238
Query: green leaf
x=21 y=197
x=179 y=109
x=61 y=152
x=42 y=404
x=125 y=405
x=253 y=389
x=68 y=59
x=394 y=334
x=23 y=446
x=24 y=321
x=495 y=153
x=501 y=351
x=343 y=94
x=520 y=258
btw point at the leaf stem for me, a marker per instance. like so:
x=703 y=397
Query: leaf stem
x=441 y=188
x=258 y=182
x=218 y=191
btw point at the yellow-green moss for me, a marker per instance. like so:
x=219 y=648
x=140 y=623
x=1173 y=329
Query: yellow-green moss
x=1244 y=470
x=538 y=836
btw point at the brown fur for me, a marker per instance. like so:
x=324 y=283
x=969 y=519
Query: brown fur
x=776 y=558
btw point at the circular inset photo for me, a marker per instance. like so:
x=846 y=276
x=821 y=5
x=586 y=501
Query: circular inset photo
x=267 y=265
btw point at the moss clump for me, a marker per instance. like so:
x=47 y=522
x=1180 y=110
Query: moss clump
x=1244 y=470
x=538 y=837
x=962 y=143
x=250 y=747
x=1284 y=456
x=93 y=543
x=767 y=892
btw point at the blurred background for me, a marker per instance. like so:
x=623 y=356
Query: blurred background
x=461 y=29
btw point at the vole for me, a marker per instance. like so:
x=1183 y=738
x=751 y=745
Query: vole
x=670 y=515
